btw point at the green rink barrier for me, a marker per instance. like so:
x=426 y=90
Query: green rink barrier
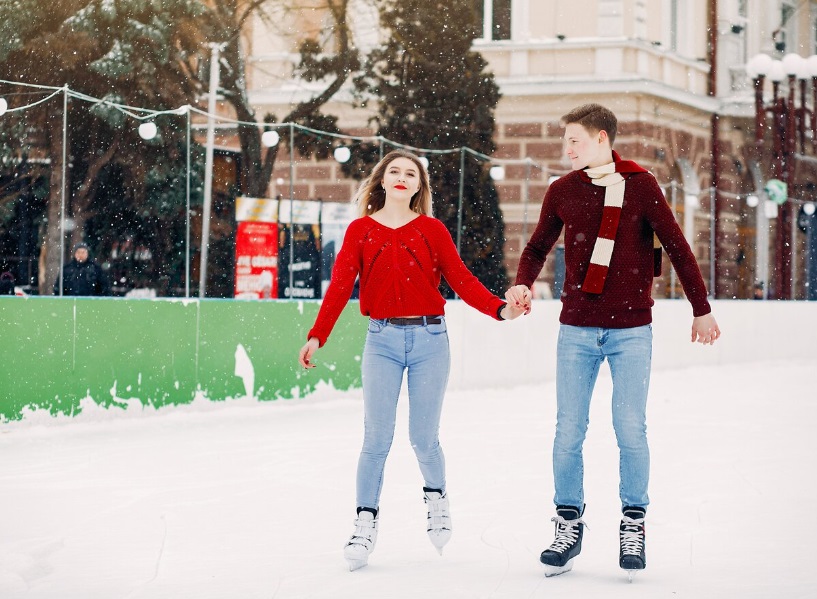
x=58 y=352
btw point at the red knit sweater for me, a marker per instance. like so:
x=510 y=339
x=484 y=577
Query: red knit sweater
x=399 y=273
x=575 y=204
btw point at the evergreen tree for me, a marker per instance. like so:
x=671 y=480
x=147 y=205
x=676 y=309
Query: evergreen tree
x=431 y=90
x=136 y=52
x=147 y=53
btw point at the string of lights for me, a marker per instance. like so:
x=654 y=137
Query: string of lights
x=145 y=114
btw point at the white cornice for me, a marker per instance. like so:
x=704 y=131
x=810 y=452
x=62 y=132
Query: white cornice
x=738 y=106
x=553 y=86
x=587 y=43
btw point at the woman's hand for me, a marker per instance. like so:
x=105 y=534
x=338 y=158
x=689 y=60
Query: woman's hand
x=305 y=355
x=518 y=298
x=511 y=311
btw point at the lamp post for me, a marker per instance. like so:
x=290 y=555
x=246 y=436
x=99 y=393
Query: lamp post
x=787 y=127
x=215 y=50
x=810 y=218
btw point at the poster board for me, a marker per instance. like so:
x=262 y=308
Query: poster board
x=256 y=248
x=299 y=249
x=335 y=219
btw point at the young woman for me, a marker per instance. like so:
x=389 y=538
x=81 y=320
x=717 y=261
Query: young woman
x=400 y=251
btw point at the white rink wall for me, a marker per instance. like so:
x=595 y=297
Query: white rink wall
x=490 y=354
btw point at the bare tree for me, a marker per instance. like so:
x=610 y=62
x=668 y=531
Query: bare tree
x=334 y=65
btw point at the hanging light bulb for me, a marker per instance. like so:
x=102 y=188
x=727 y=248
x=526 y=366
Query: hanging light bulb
x=270 y=138
x=497 y=172
x=4 y=106
x=147 y=131
x=342 y=154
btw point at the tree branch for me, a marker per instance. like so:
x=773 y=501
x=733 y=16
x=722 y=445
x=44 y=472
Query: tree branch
x=83 y=194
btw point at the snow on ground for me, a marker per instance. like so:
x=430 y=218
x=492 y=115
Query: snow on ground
x=245 y=500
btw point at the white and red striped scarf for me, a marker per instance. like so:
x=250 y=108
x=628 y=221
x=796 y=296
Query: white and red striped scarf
x=609 y=176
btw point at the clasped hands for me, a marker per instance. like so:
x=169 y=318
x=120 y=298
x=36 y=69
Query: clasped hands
x=519 y=302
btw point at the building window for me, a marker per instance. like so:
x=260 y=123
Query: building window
x=494 y=19
x=814 y=39
x=813 y=48
x=784 y=37
x=673 y=28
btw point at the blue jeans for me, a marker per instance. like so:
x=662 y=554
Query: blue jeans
x=580 y=352
x=390 y=350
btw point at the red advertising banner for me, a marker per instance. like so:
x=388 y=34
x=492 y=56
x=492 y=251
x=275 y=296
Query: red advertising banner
x=256 y=248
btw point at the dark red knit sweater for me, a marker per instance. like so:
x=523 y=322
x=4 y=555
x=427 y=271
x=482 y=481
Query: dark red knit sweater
x=575 y=204
x=399 y=273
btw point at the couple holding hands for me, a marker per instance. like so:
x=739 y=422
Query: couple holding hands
x=611 y=211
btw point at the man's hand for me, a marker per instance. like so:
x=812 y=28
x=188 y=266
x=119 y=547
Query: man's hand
x=705 y=330
x=305 y=355
x=519 y=298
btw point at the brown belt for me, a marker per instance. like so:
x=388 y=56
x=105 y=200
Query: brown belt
x=419 y=320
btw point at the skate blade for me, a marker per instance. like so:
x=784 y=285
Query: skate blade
x=631 y=574
x=439 y=541
x=556 y=570
x=356 y=564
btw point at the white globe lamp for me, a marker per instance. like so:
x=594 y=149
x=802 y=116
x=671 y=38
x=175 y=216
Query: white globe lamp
x=147 y=131
x=342 y=154
x=270 y=138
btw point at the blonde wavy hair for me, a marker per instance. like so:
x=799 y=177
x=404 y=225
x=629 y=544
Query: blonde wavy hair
x=371 y=196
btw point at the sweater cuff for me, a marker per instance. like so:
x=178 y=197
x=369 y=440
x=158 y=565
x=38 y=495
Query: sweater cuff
x=702 y=309
x=313 y=333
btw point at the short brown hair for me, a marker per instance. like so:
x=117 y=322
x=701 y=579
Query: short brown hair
x=595 y=118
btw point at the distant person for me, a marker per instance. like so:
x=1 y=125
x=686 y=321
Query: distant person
x=83 y=276
x=610 y=211
x=400 y=251
x=7 y=284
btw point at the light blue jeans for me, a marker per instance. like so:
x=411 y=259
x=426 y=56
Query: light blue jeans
x=390 y=351
x=580 y=352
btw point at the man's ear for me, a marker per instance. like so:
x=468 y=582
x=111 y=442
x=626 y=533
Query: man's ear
x=603 y=136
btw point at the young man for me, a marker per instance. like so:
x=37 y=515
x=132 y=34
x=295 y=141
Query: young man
x=83 y=276
x=610 y=210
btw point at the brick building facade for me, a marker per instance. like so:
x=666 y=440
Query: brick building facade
x=678 y=103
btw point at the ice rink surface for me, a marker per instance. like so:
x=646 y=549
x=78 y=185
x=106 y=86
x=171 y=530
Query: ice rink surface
x=244 y=500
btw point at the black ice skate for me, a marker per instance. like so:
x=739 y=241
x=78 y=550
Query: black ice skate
x=558 y=558
x=632 y=557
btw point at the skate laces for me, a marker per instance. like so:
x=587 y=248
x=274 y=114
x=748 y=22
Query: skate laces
x=632 y=535
x=567 y=533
